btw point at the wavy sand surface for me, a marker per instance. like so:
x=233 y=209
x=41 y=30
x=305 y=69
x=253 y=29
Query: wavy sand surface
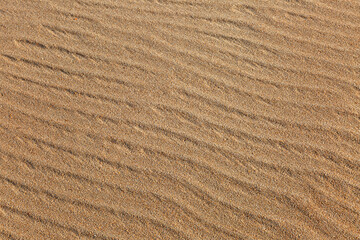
x=179 y=119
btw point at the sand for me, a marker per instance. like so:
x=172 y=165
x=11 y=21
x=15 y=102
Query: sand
x=179 y=119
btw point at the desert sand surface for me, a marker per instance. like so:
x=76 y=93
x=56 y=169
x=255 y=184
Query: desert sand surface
x=179 y=119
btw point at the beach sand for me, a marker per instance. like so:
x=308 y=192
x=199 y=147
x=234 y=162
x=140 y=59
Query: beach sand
x=180 y=119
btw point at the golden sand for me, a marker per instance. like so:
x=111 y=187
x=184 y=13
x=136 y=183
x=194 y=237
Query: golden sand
x=180 y=119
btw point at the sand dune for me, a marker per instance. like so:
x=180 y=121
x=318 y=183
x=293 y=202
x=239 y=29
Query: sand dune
x=180 y=119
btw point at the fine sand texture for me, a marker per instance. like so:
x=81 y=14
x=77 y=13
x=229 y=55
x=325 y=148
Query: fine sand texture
x=180 y=119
